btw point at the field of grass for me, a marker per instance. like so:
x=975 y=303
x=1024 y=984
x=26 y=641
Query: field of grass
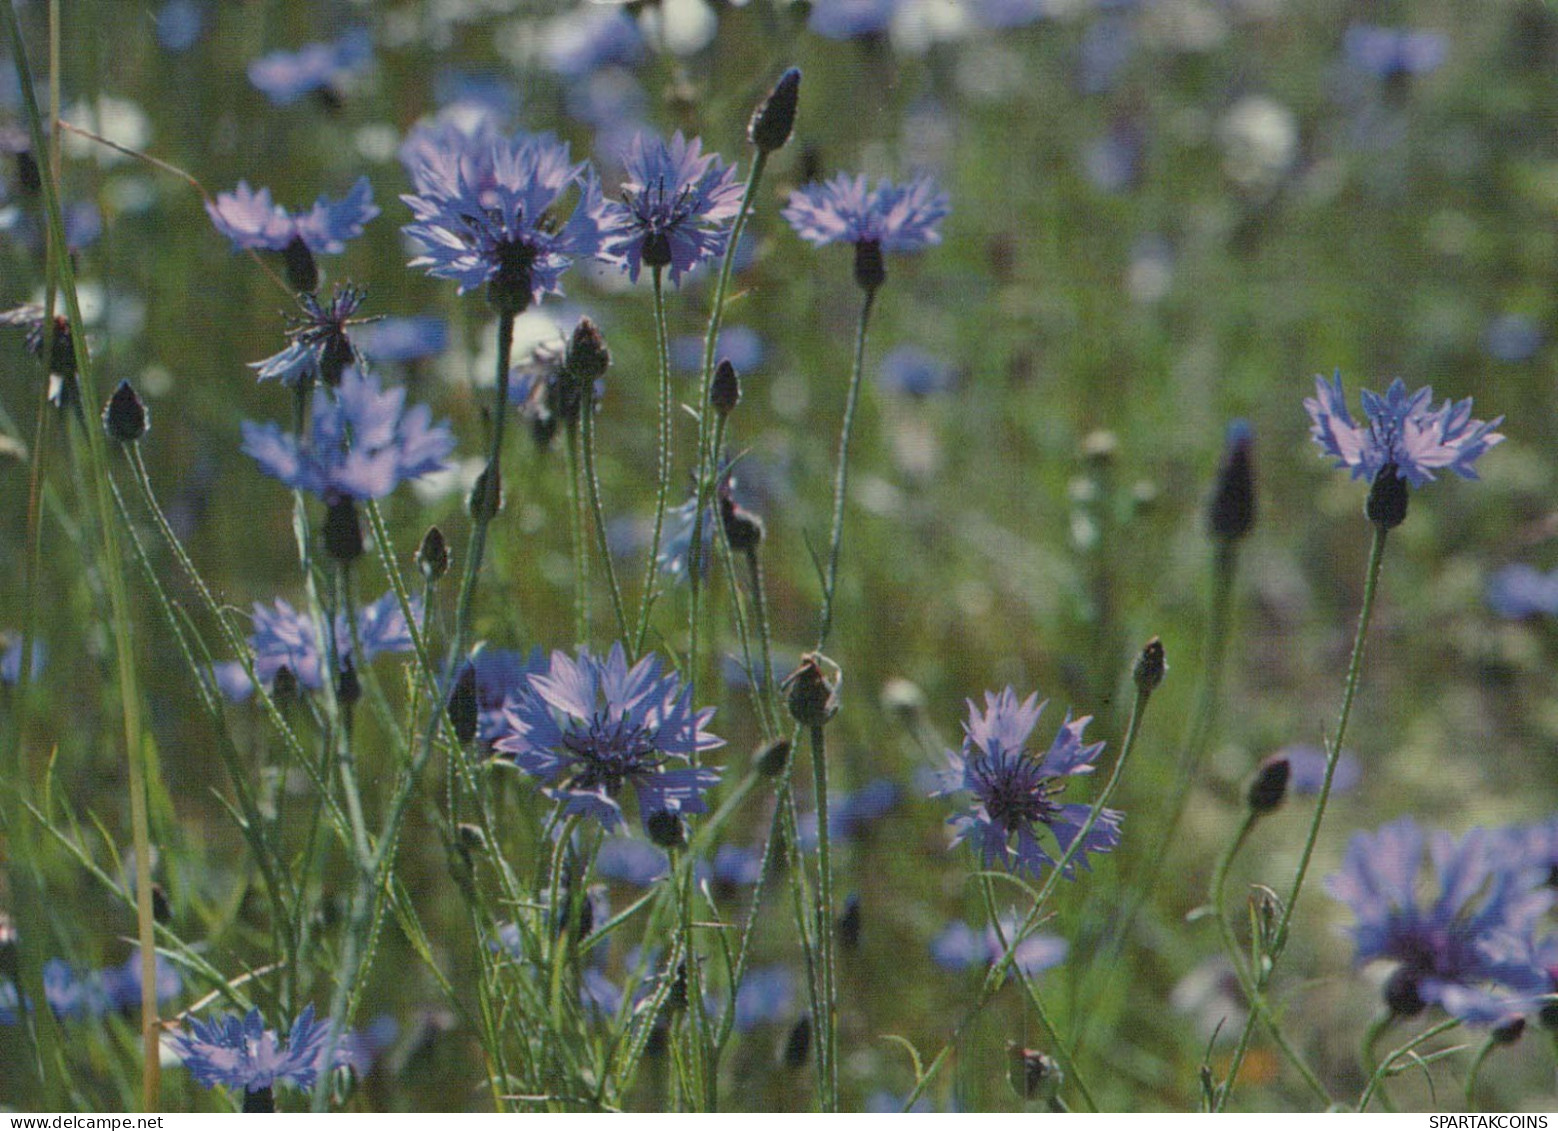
x=1139 y=222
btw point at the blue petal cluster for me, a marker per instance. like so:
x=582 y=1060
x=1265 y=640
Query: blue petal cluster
x=1388 y=52
x=286 y=76
x=254 y=223
x=11 y=657
x=240 y=1052
x=364 y=443
x=319 y=346
x=1401 y=429
x=1468 y=948
x=74 y=994
x=959 y=946
x=1012 y=792
x=1519 y=592
x=676 y=209
x=590 y=727
x=489 y=209
x=847 y=210
x=846 y=19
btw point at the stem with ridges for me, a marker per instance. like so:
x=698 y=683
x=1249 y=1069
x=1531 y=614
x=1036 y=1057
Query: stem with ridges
x=663 y=490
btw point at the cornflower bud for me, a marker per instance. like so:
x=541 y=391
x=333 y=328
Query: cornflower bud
x=774 y=119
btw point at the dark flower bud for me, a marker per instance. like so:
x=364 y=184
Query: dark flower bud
x=261 y=1101
x=1034 y=1076
x=772 y=757
x=743 y=529
x=487 y=495
x=28 y=175
x=302 y=271
x=348 y=689
x=1386 y=506
x=588 y=358
x=471 y=838
x=284 y=685
x=1270 y=786
x=667 y=829
x=850 y=923
x=811 y=696
x=124 y=416
x=1231 y=514
x=343 y=530
x=725 y=389
x=1150 y=666
x=1401 y=994
x=870 y=267
x=1509 y=1032
x=161 y=909
x=774 y=119
x=462 y=705
x=798 y=1044
x=433 y=555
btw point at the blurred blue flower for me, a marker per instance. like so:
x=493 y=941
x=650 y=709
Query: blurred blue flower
x=1387 y=52
x=1306 y=770
x=122 y=984
x=676 y=209
x=846 y=19
x=959 y=946
x=501 y=673
x=631 y=861
x=591 y=36
x=737 y=866
x=488 y=92
x=391 y=340
x=239 y=1052
x=11 y=657
x=179 y=24
x=883 y=1102
x=254 y=223
x=1518 y=592
x=1013 y=791
x=283 y=637
x=740 y=345
x=766 y=997
x=71 y=995
x=589 y=727
x=1512 y=338
x=1000 y=15
x=484 y=211
x=319 y=347
x=846 y=210
x=1106 y=48
x=1401 y=429
x=363 y=444
x=286 y=76
x=1456 y=951
x=913 y=372
x=1113 y=162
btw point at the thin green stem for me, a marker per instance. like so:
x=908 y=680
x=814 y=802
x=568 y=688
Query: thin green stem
x=765 y=677
x=663 y=488
x=841 y=474
x=1369 y=1057
x=1377 y=1080
x=1472 y=1073
x=827 y=1024
x=592 y=481
x=581 y=550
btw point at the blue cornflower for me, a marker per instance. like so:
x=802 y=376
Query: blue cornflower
x=959 y=946
x=1401 y=429
x=240 y=1052
x=179 y=24
x=1013 y=791
x=1519 y=591
x=912 y=371
x=283 y=637
x=1457 y=951
x=1306 y=770
x=319 y=347
x=739 y=345
x=591 y=726
x=849 y=813
x=676 y=209
x=11 y=657
x=487 y=210
x=363 y=444
x=591 y=36
x=404 y=339
x=254 y=223
x=1387 y=52
x=122 y=984
x=846 y=19
x=766 y=996
x=71 y=994
x=631 y=861
x=736 y=866
x=500 y=673
x=1006 y=14
x=1512 y=338
x=286 y=76
x=887 y=218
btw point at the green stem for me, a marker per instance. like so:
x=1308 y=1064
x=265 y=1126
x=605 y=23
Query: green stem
x=663 y=490
x=827 y=1024
x=1475 y=1070
x=841 y=475
x=581 y=563
x=1370 y=1058
x=1377 y=1081
x=765 y=678
x=592 y=480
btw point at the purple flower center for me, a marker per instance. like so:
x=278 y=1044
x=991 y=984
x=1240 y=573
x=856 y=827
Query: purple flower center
x=609 y=753
x=1015 y=792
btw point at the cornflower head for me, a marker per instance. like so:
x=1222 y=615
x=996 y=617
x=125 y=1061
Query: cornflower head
x=488 y=210
x=30 y=317
x=363 y=443
x=240 y=1052
x=315 y=68
x=1401 y=431
x=676 y=209
x=319 y=346
x=1462 y=950
x=589 y=727
x=254 y=223
x=884 y=219
x=1013 y=791
x=285 y=638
